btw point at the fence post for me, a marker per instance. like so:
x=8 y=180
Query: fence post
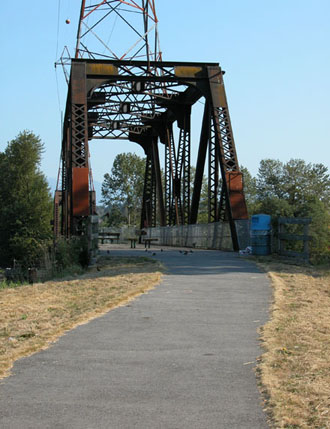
x=304 y=237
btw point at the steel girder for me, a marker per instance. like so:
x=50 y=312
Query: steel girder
x=172 y=186
x=183 y=166
x=140 y=101
x=148 y=215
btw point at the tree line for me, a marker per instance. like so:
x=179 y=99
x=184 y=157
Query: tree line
x=292 y=189
x=25 y=202
x=26 y=212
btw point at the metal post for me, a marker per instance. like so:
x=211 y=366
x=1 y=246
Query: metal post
x=204 y=140
x=158 y=182
x=182 y=176
x=147 y=199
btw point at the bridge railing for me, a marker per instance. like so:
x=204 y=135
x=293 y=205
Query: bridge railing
x=205 y=236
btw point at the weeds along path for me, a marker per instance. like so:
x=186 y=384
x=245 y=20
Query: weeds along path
x=295 y=369
x=180 y=356
x=32 y=317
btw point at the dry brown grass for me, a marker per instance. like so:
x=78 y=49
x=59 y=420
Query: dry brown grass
x=32 y=317
x=295 y=370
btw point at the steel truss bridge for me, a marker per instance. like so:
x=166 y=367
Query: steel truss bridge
x=140 y=101
x=134 y=95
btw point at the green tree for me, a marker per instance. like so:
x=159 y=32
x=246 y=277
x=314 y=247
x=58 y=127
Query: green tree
x=286 y=188
x=319 y=227
x=291 y=187
x=296 y=189
x=115 y=216
x=25 y=201
x=122 y=190
x=250 y=191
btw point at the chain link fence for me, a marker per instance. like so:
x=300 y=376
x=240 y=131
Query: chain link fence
x=204 y=236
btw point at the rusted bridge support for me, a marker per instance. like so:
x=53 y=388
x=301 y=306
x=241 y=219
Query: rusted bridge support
x=183 y=164
x=222 y=151
x=158 y=180
x=172 y=184
x=141 y=101
x=76 y=199
x=153 y=194
x=203 y=145
x=148 y=214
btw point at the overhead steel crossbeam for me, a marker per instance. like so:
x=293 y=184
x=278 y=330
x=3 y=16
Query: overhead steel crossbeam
x=140 y=101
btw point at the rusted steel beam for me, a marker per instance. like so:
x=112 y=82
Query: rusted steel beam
x=173 y=198
x=203 y=144
x=158 y=182
x=213 y=177
x=57 y=213
x=225 y=151
x=148 y=212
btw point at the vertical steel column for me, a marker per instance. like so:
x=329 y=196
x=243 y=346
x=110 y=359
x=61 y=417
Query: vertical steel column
x=92 y=202
x=79 y=122
x=183 y=166
x=66 y=180
x=224 y=150
x=158 y=182
x=229 y=156
x=204 y=140
x=57 y=213
x=213 y=178
x=168 y=182
x=75 y=182
x=172 y=211
x=233 y=177
x=153 y=194
x=148 y=215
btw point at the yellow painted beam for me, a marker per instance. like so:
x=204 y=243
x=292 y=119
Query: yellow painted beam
x=101 y=69
x=187 y=71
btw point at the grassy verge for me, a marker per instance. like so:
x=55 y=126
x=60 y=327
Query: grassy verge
x=295 y=369
x=34 y=316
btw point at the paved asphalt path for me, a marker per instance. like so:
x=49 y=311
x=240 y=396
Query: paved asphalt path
x=180 y=356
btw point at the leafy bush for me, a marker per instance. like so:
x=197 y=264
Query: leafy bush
x=25 y=202
x=293 y=189
x=71 y=253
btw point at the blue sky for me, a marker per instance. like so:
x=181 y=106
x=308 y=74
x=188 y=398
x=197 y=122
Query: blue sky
x=275 y=53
